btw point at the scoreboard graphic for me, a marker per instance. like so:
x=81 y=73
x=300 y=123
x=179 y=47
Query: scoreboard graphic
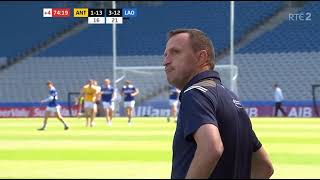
x=95 y=16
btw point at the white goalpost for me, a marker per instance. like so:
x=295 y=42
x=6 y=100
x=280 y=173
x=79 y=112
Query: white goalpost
x=233 y=74
x=231 y=31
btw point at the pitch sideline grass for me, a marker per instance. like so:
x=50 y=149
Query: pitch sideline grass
x=140 y=151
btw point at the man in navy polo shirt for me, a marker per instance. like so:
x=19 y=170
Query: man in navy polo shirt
x=214 y=137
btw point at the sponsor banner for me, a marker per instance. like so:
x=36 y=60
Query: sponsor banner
x=253 y=109
x=293 y=111
x=32 y=111
x=158 y=109
x=149 y=109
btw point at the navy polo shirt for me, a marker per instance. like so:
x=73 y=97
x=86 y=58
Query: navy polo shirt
x=204 y=100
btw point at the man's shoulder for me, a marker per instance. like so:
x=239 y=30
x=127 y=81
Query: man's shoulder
x=85 y=86
x=98 y=88
x=52 y=89
x=200 y=88
x=131 y=86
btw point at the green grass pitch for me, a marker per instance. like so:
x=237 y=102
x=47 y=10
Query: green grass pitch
x=139 y=151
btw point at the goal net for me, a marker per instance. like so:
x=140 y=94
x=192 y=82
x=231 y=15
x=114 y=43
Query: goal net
x=150 y=80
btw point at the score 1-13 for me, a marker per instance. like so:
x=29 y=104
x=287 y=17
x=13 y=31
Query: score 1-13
x=96 y=16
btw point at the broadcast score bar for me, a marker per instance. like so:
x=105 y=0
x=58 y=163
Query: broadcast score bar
x=95 y=16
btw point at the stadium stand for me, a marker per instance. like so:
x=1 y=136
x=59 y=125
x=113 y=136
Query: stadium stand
x=290 y=36
x=69 y=74
x=134 y=40
x=248 y=15
x=287 y=55
x=259 y=71
x=88 y=54
x=3 y=61
x=26 y=27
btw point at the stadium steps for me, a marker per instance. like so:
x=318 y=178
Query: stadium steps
x=75 y=27
x=290 y=35
x=267 y=25
x=294 y=72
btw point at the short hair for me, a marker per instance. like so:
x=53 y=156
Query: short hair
x=49 y=82
x=199 y=41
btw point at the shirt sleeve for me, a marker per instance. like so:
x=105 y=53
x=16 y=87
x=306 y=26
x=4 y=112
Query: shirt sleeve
x=281 y=95
x=50 y=98
x=256 y=144
x=197 y=109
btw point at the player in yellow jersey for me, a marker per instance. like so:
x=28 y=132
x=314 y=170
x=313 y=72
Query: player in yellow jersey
x=89 y=92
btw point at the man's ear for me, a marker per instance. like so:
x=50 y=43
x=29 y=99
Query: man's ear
x=203 y=57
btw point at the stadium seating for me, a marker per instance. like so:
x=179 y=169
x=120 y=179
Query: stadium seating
x=24 y=27
x=3 y=61
x=146 y=33
x=140 y=42
x=294 y=72
x=69 y=74
x=287 y=55
x=249 y=14
x=291 y=36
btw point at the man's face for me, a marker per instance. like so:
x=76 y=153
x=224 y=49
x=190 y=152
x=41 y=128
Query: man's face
x=90 y=82
x=106 y=82
x=179 y=60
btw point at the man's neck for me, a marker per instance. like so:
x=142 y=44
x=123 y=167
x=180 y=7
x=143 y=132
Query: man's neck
x=196 y=73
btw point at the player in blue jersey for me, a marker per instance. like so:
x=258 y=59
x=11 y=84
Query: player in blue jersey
x=173 y=102
x=52 y=106
x=107 y=98
x=129 y=92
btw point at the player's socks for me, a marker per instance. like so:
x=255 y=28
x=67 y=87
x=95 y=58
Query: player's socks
x=92 y=124
x=41 y=129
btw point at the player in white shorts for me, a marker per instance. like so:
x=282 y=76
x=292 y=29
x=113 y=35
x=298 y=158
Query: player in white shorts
x=173 y=102
x=52 y=107
x=129 y=92
x=89 y=92
x=107 y=97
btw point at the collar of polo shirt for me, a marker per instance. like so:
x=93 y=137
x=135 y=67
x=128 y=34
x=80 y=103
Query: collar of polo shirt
x=203 y=75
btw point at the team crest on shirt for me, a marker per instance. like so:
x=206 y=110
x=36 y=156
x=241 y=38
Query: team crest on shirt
x=237 y=103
